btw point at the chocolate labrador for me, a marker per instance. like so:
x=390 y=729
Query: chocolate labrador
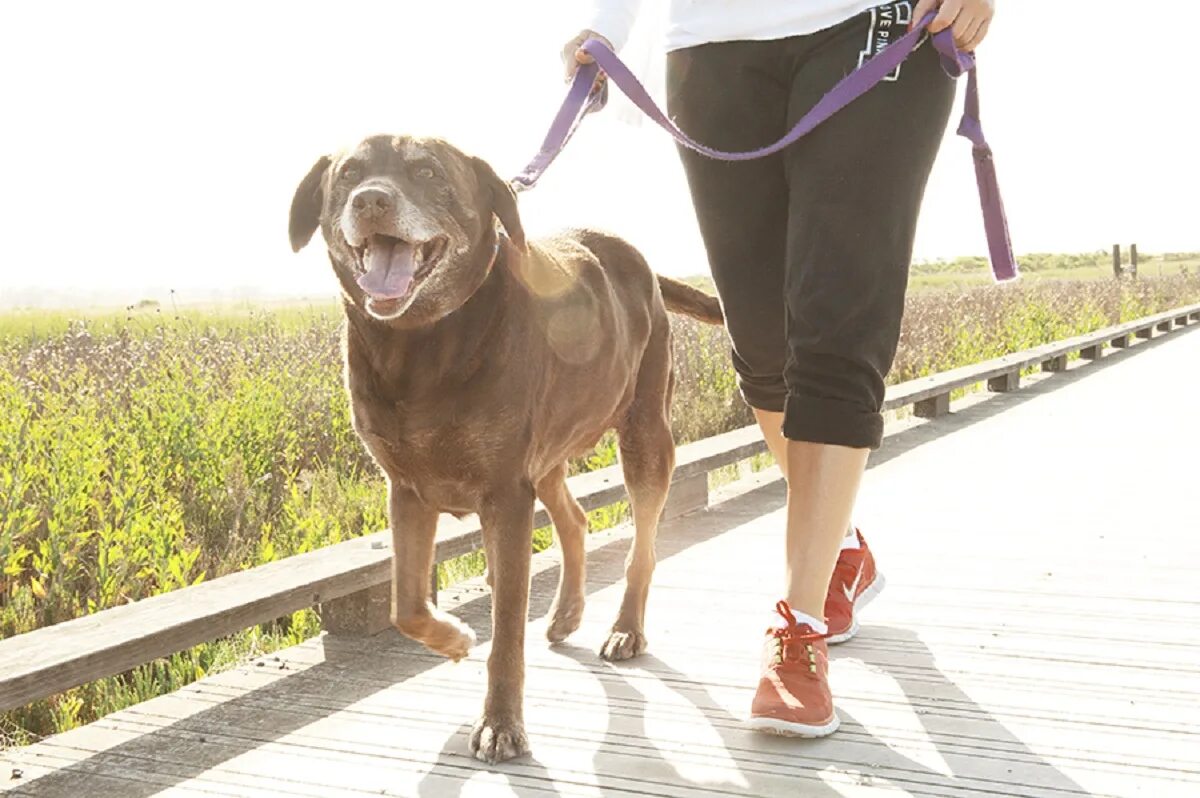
x=477 y=365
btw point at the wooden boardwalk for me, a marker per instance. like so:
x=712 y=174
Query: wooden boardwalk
x=1039 y=636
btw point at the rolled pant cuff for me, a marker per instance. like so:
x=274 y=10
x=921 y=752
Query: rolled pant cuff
x=815 y=420
x=762 y=399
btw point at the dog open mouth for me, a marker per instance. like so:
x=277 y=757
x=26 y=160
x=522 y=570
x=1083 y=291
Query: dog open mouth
x=393 y=268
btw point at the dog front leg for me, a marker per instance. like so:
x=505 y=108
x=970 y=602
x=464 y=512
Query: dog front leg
x=414 y=530
x=508 y=526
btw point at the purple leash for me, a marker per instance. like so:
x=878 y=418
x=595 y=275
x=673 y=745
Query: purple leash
x=581 y=99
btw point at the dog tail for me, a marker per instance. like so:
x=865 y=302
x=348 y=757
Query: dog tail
x=682 y=298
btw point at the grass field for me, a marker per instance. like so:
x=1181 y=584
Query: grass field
x=972 y=272
x=150 y=449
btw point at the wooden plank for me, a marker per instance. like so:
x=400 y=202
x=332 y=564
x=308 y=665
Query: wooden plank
x=913 y=391
x=55 y=658
x=720 y=450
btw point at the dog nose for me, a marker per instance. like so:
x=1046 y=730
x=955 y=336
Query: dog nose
x=371 y=202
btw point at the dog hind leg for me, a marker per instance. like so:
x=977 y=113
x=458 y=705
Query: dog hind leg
x=570 y=527
x=648 y=460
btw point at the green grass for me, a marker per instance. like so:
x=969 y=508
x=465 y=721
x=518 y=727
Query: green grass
x=149 y=449
x=961 y=273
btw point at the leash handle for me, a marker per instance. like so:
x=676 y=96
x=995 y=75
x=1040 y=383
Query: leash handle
x=581 y=100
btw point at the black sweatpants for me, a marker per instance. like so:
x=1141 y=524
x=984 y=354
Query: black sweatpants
x=810 y=248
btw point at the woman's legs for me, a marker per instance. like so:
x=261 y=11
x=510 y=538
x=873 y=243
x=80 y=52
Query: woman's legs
x=855 y=189
x=828 y=225
x=821 y=491
x=771 y=424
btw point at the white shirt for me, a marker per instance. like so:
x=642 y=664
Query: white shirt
x=693 y=22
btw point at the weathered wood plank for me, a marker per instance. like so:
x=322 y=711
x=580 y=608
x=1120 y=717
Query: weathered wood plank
x=926 y=387
x=52 y=659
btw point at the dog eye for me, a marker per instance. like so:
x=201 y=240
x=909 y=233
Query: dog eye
x=425 y=173
x=349 y=173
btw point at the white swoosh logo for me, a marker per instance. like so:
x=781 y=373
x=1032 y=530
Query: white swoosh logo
x=853 y=588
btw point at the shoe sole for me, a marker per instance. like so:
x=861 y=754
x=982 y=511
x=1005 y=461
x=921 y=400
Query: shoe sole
x=786 y=729
x=863 y=600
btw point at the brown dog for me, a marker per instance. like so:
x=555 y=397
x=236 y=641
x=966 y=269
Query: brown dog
x=477 y=365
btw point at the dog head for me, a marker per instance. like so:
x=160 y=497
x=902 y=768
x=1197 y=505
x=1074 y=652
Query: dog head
x=409 y=224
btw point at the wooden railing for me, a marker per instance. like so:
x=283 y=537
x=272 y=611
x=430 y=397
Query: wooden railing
x=350 y=581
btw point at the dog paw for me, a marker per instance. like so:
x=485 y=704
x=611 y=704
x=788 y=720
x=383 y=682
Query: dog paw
x=623 y=645
x=497 y=739
x=565 y=618
x=441 y=633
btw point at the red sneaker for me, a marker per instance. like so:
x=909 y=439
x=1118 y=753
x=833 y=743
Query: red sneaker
x=793 y=697
x=855 y=582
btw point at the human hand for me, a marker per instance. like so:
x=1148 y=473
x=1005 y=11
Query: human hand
x=969 y=19
x=573 y=55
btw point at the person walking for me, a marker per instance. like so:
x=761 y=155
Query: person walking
x=809 y=250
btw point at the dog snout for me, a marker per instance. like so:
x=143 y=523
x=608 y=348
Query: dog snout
x=372 y=203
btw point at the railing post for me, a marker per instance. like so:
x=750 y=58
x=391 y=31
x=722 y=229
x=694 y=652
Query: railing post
x=1133 y=264
x=366 y=612
x=932 y=407
x=1165 y=326
x=1056 y=363
x=1093 y=352
x=1116 y=260
x=1145 y=334
x=1121 y=342
x=1008 y=381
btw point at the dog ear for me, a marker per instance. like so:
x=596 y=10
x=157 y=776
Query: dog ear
x=306 y=205
x=504 y=201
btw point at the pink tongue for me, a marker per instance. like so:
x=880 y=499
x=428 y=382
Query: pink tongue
x=390 y=268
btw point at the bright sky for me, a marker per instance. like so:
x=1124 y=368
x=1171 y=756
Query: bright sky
x=153 y=146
